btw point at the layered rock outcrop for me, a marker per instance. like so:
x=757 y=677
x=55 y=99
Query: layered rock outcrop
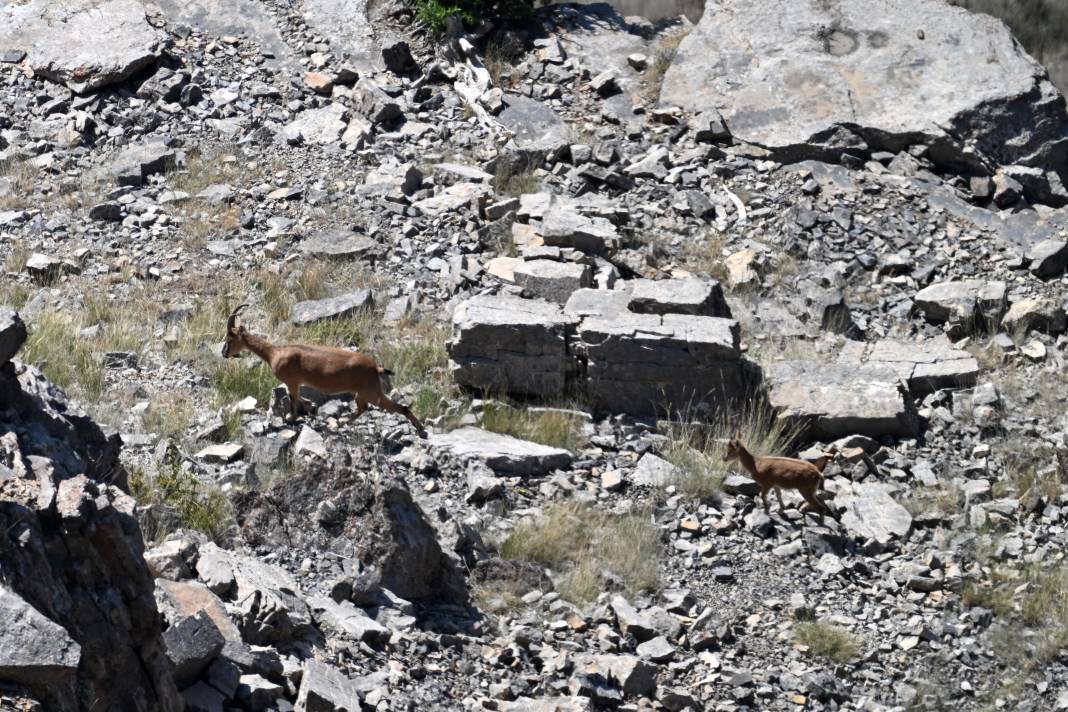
x=80 y=625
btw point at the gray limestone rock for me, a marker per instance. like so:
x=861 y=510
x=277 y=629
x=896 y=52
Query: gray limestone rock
x=1049 y=258
x=924 y=366
x=192 y=645
x=344 y=305
x=338 y=244
x=569 y=228
x=648 y=363
x=830 y=401
x=35 y=651
x=324 y=688
x=552 y=280
x=503 y=343
x=678 y=296
x=820 y=79
x=12 y=334
x=134 y=164
x=317 y=126
x=347 y=620
x=503 y=453
x=964 y=303
x=83 y=44
x=871 y=512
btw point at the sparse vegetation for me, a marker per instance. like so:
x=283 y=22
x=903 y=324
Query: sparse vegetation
x=1031 y=603
x=169 y=415
x=667 y=47
x=499 y=60
x=234 y=379
x=549 y=426
x=435 y=12
x=17 y=256
x=17 y=179
x=587 y=549
x=828 y=641
x=187 y=502
x=515 y=179
x=66 y=359
x=697 y=448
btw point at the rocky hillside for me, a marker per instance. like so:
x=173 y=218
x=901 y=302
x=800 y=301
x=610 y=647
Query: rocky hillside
x=590 y=248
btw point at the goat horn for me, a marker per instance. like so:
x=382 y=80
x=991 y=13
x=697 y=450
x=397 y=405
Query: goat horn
x=233 y=316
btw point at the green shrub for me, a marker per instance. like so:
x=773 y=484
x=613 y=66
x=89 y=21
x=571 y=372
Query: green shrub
x=472 y=12
x=194 y=505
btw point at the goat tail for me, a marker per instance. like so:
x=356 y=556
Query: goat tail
x=384 y=371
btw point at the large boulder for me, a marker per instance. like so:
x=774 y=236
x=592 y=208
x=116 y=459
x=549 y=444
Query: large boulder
x=829 y=401
x=80 y=625
x=963 y=305
x=615 y=359
x=84 y=44
x=513 y=345
x=814 y=80
x=871 y=512
x=649 y=363
x=272 y=609
x=34 y=650
x=376 y=524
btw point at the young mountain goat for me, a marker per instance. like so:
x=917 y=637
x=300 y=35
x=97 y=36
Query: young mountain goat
x=780 y=473
x=327 y=369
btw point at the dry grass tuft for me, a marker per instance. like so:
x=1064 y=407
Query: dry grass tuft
x=667 y=47
x=548 y=426
x=515 y=179
x=697 y=448
x=585 y=548
x=185 y=501
x=828 y=641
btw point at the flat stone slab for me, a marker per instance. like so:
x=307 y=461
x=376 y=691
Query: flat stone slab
x=677 y=296
x=621 y=361
x=457 y=196
x=83 y=44
x=962 y=302
x=503 y=453
x=324 y=688
x=345 y=22
x=136 y=163
x=830 y=401
x=597 y=302
x=242 y=18
x=534 y=125
x=312 y=311
x=654 y=471
x=338 y=243
x=552 y=280
x=810 y=79
x=871 y=512
x=317 y=126
x=348 y=620
x=568 y=228
x=924 y=366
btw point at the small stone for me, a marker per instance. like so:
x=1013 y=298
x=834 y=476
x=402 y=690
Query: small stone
x=222 y=453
